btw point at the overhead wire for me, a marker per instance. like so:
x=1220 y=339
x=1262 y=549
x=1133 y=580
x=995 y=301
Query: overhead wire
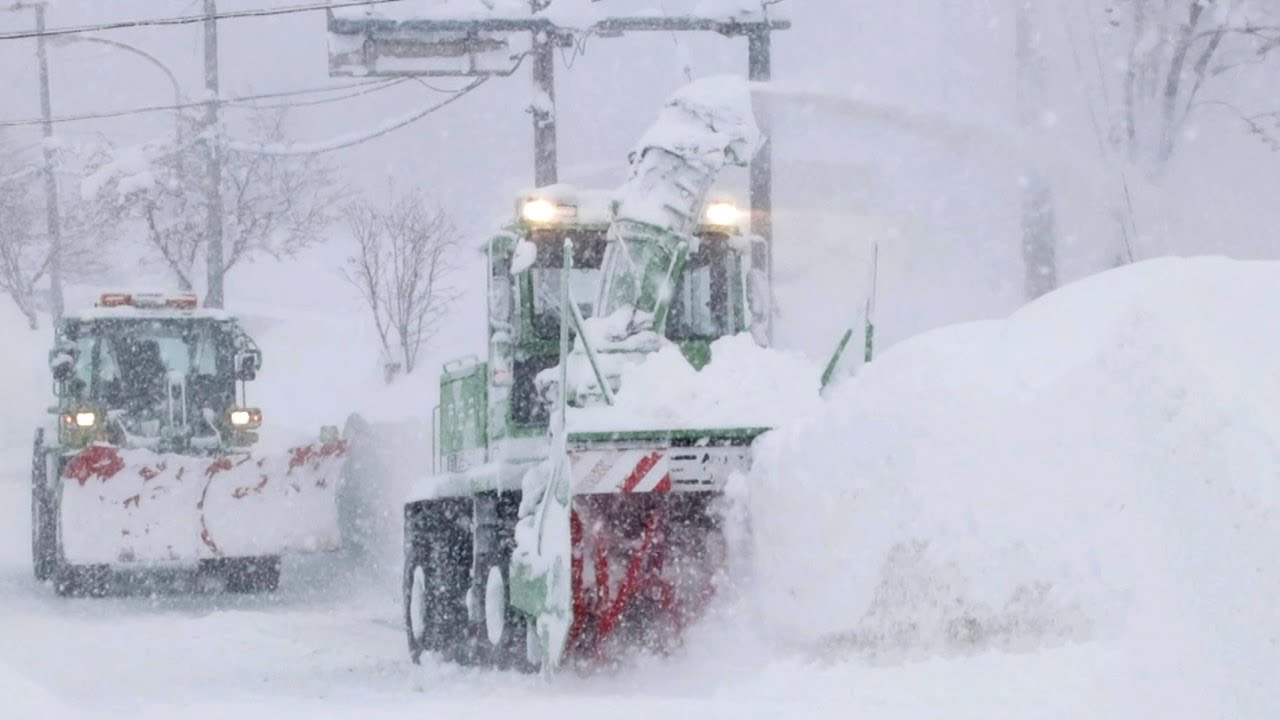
x=376 y=87
x=232 y=103
x=345 y=141
x=246 y=102
x=189 y=19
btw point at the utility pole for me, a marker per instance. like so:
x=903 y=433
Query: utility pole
x=545 y=170
x=760 y=69
x=1039 y=253
x=53 y=216
x=213 y=158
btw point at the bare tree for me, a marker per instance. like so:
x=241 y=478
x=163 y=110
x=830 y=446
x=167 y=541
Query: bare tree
x=1173 y=52
x=1153 y=66
x=404 y=256
x=25 y=248
x=23 y=261
x=274 y=205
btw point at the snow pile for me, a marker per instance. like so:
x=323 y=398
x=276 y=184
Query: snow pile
x=1100 y=466
x=23 y=698
x=744 y=385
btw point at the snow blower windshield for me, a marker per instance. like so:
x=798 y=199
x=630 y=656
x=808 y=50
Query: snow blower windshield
x=141 y=366
x=700 y=307
x=548 y=270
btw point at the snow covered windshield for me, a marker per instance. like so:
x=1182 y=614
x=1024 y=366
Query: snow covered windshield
x=699 y=309
x=125 y=363
x=548 y=269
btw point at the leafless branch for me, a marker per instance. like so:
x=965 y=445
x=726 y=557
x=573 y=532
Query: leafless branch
x=274 y=205
x=403 y=257
x=25 y=250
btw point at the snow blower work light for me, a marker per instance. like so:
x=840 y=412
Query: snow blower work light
x=723 y=214
x=541 y=211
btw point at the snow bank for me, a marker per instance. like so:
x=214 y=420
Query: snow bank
x=1101 y=465
x=23 y=698
x=744 y=385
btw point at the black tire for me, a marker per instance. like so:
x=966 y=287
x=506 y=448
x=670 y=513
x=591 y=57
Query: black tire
x=509 y=652
x=44 y=533
x=81 y=580
x=417 y=584
x=252 y=575
x=494 y=538
x=48 y=564
x=436 y=573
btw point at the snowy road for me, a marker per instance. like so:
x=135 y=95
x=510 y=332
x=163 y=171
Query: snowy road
x=312 y=650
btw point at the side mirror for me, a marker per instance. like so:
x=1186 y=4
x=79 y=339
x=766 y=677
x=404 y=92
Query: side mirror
x=247 y=365
x=62 y=371
x=523 y=257
x=62 y=361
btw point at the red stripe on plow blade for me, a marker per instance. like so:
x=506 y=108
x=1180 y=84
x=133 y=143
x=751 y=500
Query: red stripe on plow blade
x=96 y=461
x=642 y=469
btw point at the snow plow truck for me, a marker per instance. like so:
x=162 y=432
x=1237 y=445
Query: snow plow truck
x=148 y=459
x=540 y=541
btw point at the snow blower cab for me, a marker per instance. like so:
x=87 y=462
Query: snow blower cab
x=149 y=459
x=153 y=372
x=527 y=264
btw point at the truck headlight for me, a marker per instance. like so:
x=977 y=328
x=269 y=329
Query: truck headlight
x=82 y=419
x=245 y=418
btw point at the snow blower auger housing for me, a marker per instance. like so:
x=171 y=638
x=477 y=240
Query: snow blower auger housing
x=538 y=542
x=148 y=459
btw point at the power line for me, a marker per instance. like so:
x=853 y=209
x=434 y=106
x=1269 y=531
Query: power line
x=324 y=101
x=230 y=102
x=314 y=147
x=346 y=141
x=189 y=19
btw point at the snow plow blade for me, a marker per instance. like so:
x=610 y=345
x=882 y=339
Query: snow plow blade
x=127 y=506
x=620 y=542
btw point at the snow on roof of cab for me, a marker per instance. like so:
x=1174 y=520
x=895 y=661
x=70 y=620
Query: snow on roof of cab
x=143 y=302
x=593 y=204
x=566 y=13
x=133 y=313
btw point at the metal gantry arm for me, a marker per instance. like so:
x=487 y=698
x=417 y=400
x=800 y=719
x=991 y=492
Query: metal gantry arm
x=607 y=27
